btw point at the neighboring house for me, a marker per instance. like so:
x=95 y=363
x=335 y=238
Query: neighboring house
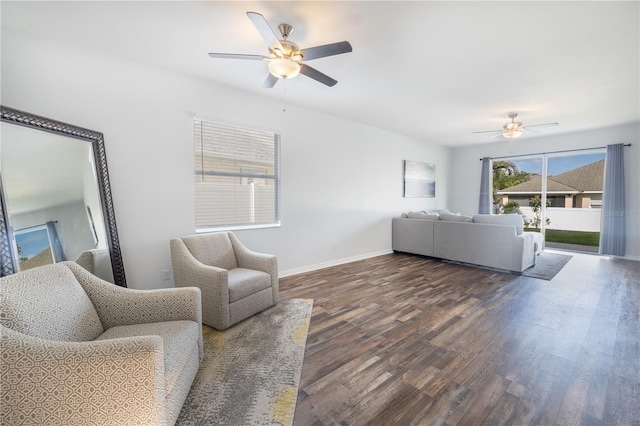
x=577 y=188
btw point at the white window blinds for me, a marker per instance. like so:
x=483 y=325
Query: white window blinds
x=237 y=177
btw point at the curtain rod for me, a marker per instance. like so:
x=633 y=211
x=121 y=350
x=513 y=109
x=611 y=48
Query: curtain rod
x=35 y=226
x=554 y=152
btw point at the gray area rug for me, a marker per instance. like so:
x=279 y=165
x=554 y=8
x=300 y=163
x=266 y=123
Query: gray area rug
x=251 y=371
x=547 y=265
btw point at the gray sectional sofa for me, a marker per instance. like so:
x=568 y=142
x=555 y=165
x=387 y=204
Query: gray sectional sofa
x=496 y=241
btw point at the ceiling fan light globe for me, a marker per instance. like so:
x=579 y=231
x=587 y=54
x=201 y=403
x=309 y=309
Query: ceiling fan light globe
x=512 y=126
x=512 y=134
x=284 y=68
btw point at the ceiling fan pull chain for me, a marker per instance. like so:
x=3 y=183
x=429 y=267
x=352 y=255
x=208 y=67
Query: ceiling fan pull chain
x=284 y=95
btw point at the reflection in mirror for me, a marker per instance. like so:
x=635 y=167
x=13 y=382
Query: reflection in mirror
x=54 y=201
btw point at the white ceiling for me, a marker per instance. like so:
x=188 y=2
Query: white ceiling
x=435 y=70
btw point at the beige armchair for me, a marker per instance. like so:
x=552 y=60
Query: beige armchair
x=236 y=283
x=97 y=262
x=78 y=350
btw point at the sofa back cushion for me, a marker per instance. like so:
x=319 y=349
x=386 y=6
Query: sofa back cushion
x=422 y=215
x=455 y=217
x=212 y=249
x=501 y=219
x=48 y=303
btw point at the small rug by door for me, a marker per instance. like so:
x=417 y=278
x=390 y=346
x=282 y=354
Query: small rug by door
x=547 y=265
x=251 y=371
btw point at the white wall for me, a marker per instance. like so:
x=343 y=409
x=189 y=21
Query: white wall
x=341 y=181
x=465 y=182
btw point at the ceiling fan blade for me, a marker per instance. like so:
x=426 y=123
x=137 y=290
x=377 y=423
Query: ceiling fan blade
x=326 y=50
x=530 y=130
x=270 y=81
x=237 y=56
x=495 y=136
x=489 y=131
x=317 y=75
x=542 y=125
x=265 y=30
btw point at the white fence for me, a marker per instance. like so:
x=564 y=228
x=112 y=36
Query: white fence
x=587 y=220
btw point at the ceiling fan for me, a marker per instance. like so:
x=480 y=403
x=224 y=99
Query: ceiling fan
x=285 y=57
x=514 y=128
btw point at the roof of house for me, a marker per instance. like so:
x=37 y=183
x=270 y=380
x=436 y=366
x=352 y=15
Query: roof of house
x=588 y=178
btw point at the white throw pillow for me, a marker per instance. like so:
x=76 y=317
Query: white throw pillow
x=421 y=215
x=455 y=217
x=416 y=215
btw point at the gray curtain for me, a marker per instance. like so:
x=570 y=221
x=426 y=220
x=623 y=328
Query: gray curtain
x=612 y=239
x=485 y=203
x=56 y=246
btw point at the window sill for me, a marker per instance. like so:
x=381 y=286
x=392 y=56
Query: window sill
x=237 y=227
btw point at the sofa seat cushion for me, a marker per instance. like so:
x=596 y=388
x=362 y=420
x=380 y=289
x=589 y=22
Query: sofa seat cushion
x=179 y=338
x=245 y=282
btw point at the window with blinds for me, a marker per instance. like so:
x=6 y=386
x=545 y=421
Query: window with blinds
x=237 y=177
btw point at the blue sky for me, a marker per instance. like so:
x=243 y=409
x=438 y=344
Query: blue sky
x=33 y=242
x=557 y=165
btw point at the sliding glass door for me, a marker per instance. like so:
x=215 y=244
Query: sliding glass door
x=558 y=195
x=574 y=200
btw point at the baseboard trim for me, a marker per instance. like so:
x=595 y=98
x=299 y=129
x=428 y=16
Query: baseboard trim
x=328 y=264
x=636 y=258
x=560 y=251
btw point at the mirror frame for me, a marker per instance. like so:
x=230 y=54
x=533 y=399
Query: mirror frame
x=25 y=119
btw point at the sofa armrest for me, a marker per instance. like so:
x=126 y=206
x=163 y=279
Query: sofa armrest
x=413 y=235
x=118 y=381
x=258 y=261
x=117 y=305
x=212 y=281
x=524 y=253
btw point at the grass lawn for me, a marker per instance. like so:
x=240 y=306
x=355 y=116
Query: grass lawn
x=571 y=237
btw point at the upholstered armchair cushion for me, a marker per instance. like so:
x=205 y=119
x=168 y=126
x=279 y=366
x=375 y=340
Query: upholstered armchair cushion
x=245 y=282
x=117 y=305
x=213 y=250
x=134 y=366
x=51 y=305
x=236 y=282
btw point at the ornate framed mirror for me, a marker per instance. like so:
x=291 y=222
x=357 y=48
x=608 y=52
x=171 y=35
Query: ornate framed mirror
x=55 y=197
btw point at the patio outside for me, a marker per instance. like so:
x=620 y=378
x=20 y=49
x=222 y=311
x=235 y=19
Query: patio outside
x=571 y=216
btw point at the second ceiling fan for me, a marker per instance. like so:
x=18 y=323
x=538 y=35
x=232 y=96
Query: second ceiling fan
x=285 y=57
x=514 y=128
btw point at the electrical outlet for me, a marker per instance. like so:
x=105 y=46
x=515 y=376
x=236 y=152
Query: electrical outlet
x=166 y=275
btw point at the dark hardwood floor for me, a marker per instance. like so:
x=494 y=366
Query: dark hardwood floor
x=402 y=339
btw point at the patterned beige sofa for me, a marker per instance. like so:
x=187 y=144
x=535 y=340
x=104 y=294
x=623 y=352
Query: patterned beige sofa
x=79 y=350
